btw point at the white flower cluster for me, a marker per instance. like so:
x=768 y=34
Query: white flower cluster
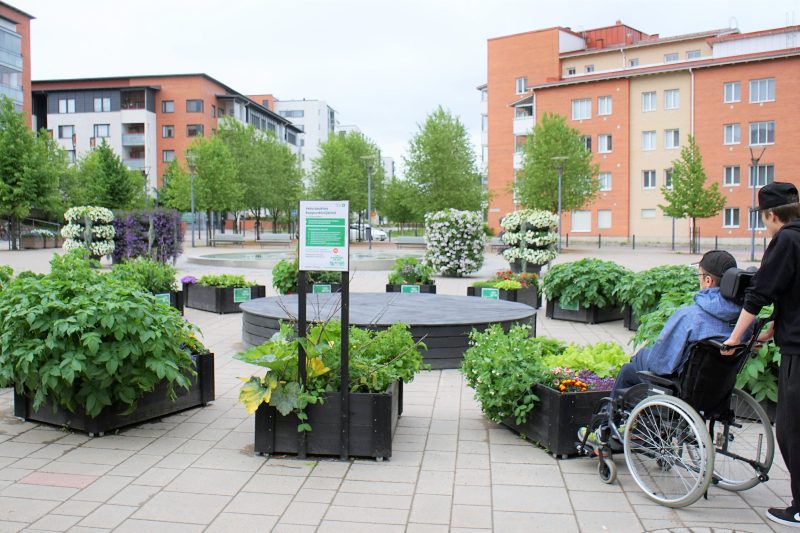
x=533 y=218
x=94 y=214
x=72 y=231
x=98 y=219
x=43 y=232
x=104 y=233
x=534 y=256
x=455 y=241
x=532 y=234
x=532 y=238
x=101 y=248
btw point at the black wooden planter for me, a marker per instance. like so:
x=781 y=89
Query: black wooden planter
x=586 y=315
x=373 y=418
x=334 y=287
x=525 y=295
x=629 y=320
x=175 y=299
x=216 y=299
x=557 y=417
x=530 y=268
x=423 y=289
x=152 y=405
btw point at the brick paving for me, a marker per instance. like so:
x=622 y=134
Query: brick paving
x=451 y=469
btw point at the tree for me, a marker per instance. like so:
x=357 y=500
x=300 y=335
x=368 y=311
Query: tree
x=537 y=180
x=107 y=182
x=687 y=197
x=283 y=176
x=402 y=202
x=216 y=187
x=441 y=163
x=176 y=191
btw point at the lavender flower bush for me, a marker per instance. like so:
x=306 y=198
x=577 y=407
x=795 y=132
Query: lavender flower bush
x=154 y=233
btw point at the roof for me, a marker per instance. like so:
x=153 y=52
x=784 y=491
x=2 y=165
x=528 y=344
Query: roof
x=751 y=34
x=651 y=42
x=559 y=28
x=21 y=12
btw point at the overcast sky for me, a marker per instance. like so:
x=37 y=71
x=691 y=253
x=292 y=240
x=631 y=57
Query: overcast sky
x=383 y=65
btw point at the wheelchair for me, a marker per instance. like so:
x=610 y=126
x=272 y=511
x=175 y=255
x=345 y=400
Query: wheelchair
x=679 y=434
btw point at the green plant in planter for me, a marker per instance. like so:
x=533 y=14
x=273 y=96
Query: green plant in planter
x=643 y=290
x=586 y=282
x=224 y=281
x=284 y=276
x=651 y=324
x=759 y=376
x=506 y=284
x=526 y=279
x=78 y=338
x=602 y=358
x=6 y=273
x=411 y=271
x=151 y=276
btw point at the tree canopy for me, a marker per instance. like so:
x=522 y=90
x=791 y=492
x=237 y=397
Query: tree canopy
x=105 y=181
x=402 y=204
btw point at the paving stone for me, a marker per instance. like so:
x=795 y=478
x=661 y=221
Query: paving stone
x=427 y=528
x=177 y=460
x=227 y=522
x=530 y=499
x=209 y=481
x=326 y=483
x=473 y=460
x=511 y=522
x=590 y=482
x=76 y=508
x=164 y=446
x=603 y=522
x=336 y=526
x=599 y=501
x=435 y=483
x=55 y=522
x=472 y=495
x=139 y=526
x=473 y=447
x=383 y=501
x=229 y=460
x=23 y=510
x=76 y=481
x=40 y=435
x=103 y=489
x=380 y=472
x=135 y=495
x=377 y=487
x=119 y=442
x=471 y=476
x=259 y=503
x=96 y=456
x=304 y=513
x=158 y=477
x=136 y=465
x=18 y=449
x=527 y=474
x=503 y=453
x=38 y=492
x=366 y=515
x=108 y=516
x=273 y=484
x=280 y=527
x=315 y=495
x=472 y=516
x=436 y=460
x=431 y=509
x=182 y=507
x=79 y=469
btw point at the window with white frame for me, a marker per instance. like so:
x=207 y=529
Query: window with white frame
x=668 y=178
x=648 y=213
x=648 y=140
x=581 y=221
x=732 y=92
x=762 y=132
x=589 y=68
x=101 y=131
x=755 y=216
x=604 y=143
x=521 y=84
x=762 y=90
x=603 y=218
x=669 y=58
x=672 y=138
x=693 y=54
x=732 y=133
x=167 y=132
x=649 y=101
x=633 y=62
x=570 y=71
x=648 y=179
x=582 y=109
x=66 y=105
x=730 y=217
x=587 y=142
x=167 y=156
x=604 y=179
x=66 y=132
x=763 y=174
x=672 y=99
x=102 y=105
x=603 y=105
x=731 y=176
x=484 y=122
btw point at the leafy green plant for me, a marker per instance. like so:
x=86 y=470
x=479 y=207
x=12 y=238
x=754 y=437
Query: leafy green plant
x=508 y=285
x=151 y=276
x=759 y=376
x=285 y=274
x=651 y=324
x=602 y=358
x=224 y=281
x=483 y=284
x=6 y=272
x=77 y=338
x=411 y=271
x=586 y=282
x=526 y=279
x=643 y=290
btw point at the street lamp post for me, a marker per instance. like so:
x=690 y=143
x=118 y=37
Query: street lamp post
x=753 y=213
x=368 y=159
x=146 y=175
x=190 y=161
x=559 y=162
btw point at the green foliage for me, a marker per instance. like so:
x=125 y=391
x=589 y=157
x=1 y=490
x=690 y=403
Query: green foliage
x=759 y=376
x=537 y=180
x=216 y=184
x=224 y=280
x=508 y=285
x=107 y=182
x=651 y=324
x=602 y=358
x=6 y=273
x=643 y=290
x=586 y=282
x=410 y=271
x=441 y=165
x=176 y=192
x=151 y=276
x=285 y=272
x=525 y=279
x=81 y=339
x=402 y=203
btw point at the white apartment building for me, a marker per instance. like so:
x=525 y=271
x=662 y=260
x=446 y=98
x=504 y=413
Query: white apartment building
x=315 y=118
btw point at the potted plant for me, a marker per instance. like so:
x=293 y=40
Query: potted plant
x=531 y=236
x=90 y=228
x=152 y=277
x=640 y=292
x=380 y=362
x=455 y=241
x=507 y=285
x=410 y=275
x=583 y=291
x=32 y=240
x=220 y=293
x=91 y=353
x=540 y=387
x=284 y=279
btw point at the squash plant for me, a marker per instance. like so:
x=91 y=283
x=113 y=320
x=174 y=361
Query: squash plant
x=643 y=290
x=224 y=280
x=78 y=338
x=6 y=272
x=151 y=276
x=411 y=271
x=586 y=282
x=284 y=276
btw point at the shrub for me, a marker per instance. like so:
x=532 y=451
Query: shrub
x=284 y=276
x=410 y=271
x=89 y=228
x=151 y=276
x=643 y=290
x=455 y=241
x=531 y=235
x=6 y=273
x=153 y=233
x=586 y=282
x=224 y=281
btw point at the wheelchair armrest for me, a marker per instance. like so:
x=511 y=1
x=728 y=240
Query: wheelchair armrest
x=656 y=379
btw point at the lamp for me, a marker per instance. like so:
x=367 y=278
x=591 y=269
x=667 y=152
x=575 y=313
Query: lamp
x=368 y=160
x=559 y=163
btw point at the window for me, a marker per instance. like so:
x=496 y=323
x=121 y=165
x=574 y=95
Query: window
x=605 y=181
x=604 y=143
x=648 y=140
x=649 y=101
x=213 y=111
x=571 y=71
x=603 y=218
x=731 y=175
x=102 y=105
x=672 y=99
x=762 y=132
x=633 y=62
x=648 y=213
x=755 y=216
x=733 y=133
x=484 y=123
x=168 y=106
x=194 y=130
x=762 y=90
x=65 y=132
x=521 y=84
x=132 y=100
x=589 y=68
x=167 y=132
x=693 y=54
x=732 y=92
x=582 y=109
x=765 y=174
x=581 y=221
x=484 y=97
x=603 y=105
x=194 y=106
x=101 y=131
x=672 y=139
x=71 y=156
x=648 y=179
x=730 y=217
x=668 y=178
x=66 y=105
x=587 y=142
x=669 y=58
x=167 y=155
x=292 y=113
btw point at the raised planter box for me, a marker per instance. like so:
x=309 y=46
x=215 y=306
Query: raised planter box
x=32 y=243
x=530 y=268
x=172 y=299
x=411 y=289
x=630 y=321
x=152 y=405
x=373 y=418
x=586 y=315
x=323 y=288
x=556 y=418
x=526 y=295
x=218 y=299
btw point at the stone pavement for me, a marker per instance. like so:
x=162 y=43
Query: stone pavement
x=451 y=469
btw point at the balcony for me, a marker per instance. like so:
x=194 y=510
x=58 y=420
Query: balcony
x=517 y=160
x=133 y=139
x=523 y=125
x=15 y=93
x=134 y=164
x=12 y=59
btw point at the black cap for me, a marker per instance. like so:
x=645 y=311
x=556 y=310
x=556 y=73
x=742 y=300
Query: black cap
x=716 y=262
x=776 y=194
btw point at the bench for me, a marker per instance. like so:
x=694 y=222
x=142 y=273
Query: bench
x=268 y=239
x=496 y=244
x=410 y=242
x=228 y=238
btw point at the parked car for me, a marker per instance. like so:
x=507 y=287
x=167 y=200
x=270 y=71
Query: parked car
x=377 y=234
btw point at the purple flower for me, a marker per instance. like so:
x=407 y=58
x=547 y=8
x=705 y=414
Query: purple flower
x=189 y=279
x=595 y=382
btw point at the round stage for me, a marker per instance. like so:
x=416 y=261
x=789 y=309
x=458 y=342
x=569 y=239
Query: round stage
x=442 y=322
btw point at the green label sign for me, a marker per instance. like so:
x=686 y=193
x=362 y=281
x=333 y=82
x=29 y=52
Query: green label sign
x=163 y=298
x=409 y=289
x=321 y=289
x=569 y=306
x=493 y=294
x=241 y=295
x=325 y=232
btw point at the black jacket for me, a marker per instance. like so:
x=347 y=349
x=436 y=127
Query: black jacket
x=778 y=282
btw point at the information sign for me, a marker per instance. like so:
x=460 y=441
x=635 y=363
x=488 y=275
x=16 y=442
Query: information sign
x=409 y=289
x=321 y=289
x=163 y=298
x=324 y=243
x=493 y=294
x=241 y=294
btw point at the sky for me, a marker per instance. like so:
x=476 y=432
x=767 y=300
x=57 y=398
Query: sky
x=383 y=65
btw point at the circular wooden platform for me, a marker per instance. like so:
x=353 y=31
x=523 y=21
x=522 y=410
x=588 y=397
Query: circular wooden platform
x=442 y=322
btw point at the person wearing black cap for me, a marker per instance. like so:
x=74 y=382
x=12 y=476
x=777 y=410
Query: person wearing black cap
x=777 y=282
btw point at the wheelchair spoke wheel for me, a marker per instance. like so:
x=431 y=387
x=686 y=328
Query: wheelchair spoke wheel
x=668 y=451
x=748 y=438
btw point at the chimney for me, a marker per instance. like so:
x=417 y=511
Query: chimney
x=619 y=23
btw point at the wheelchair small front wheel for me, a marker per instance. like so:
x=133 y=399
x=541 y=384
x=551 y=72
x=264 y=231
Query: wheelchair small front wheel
x=607 y=470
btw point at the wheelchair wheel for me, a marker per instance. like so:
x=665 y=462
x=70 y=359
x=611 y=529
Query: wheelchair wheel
x=753 y=440
x=668 y=451
x=607 y=470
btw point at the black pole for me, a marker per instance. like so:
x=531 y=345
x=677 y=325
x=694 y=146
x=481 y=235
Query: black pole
x=673 y=234
x=567 y=244
x=716 y=242
x=345 y=369
x=633 y=242
x=302 y=327
x=599 y=240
